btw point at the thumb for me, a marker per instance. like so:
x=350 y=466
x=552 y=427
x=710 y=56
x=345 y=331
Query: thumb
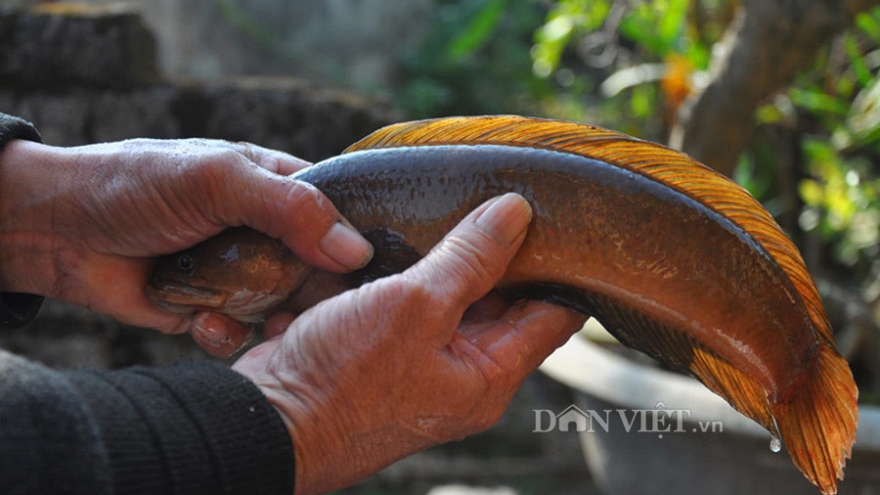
x=297 y=213
x=471 y=259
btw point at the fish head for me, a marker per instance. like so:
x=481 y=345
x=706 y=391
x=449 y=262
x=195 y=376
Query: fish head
x=240 y=273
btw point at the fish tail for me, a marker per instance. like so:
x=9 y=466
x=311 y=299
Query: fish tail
x=815 y=420
x=818 y=422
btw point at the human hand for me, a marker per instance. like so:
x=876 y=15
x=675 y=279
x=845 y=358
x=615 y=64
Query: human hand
x=82 y=224
x=408 y=361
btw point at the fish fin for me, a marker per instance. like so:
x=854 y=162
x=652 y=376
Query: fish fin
x=817 y=424
x=392 y=255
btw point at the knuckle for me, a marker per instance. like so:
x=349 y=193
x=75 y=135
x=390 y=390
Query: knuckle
x=302 y=196
x=247 y=149
x=179 y=326
x=213 y=168
x=469 y=259
x=211 y=178
x=406 y=292
x=298 y=207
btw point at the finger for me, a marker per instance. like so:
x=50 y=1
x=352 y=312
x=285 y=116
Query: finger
x=471 y=259
x=219 y=335
x=277 y=324
x=114 y=286
x=274 y=161
x=297 y=213
x=523 y=337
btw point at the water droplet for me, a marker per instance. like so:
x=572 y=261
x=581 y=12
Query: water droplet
x=775 y=443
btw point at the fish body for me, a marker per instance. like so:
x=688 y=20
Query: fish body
x=628 y=242
x=673 y=258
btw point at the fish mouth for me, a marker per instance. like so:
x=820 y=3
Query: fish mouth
x=186 y=299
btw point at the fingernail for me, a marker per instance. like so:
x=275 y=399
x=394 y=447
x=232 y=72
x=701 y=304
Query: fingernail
x=346 y=246
x=506 y=218
x=210 y=334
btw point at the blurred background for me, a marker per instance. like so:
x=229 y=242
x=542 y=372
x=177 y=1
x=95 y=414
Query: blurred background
x=805 y=80
x=783 y=96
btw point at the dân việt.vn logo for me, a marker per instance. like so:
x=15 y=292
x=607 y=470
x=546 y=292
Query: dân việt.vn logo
x=660 y=420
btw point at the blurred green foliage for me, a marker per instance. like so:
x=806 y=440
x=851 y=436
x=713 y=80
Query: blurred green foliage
x=837 y=106
x=596 y=60
x=630 y=47
x=627 y=65
x=475 y=61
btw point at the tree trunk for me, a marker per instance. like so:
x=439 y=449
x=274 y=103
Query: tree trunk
x=765 y=47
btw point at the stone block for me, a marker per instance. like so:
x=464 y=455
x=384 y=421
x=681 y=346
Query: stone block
x=62 y=119
x=280 y=113
x=141 y=113
x=60 y=45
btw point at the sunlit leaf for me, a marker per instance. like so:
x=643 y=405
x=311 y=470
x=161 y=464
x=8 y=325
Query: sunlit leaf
x=630 y=77
x=658 y=25
x=811 y=192
x=563 y=20
x=864 y=116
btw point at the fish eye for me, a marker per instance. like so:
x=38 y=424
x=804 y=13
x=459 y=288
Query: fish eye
x=185 y=264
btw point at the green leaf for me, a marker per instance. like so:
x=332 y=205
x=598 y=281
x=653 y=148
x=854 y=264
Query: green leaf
x=658 y=26
x=857 y=60
x=819 y=102
x=551 y=39
x=869 y=23
x=864 y=117
x=478 y=31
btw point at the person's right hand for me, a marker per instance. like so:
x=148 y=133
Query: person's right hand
x=408 y=361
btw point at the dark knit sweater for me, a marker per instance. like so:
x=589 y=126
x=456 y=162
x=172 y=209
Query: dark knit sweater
x=188 y=428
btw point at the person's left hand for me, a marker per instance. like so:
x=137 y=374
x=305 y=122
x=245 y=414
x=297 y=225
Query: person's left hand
x=83 y=224
x=410 y=360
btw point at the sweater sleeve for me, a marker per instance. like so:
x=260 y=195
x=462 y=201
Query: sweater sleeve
x=188 y=428
x=17 y=310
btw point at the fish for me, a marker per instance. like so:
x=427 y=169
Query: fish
x=672 y=257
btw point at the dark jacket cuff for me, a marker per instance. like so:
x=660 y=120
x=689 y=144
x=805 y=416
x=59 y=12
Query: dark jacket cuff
x=17 y=310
